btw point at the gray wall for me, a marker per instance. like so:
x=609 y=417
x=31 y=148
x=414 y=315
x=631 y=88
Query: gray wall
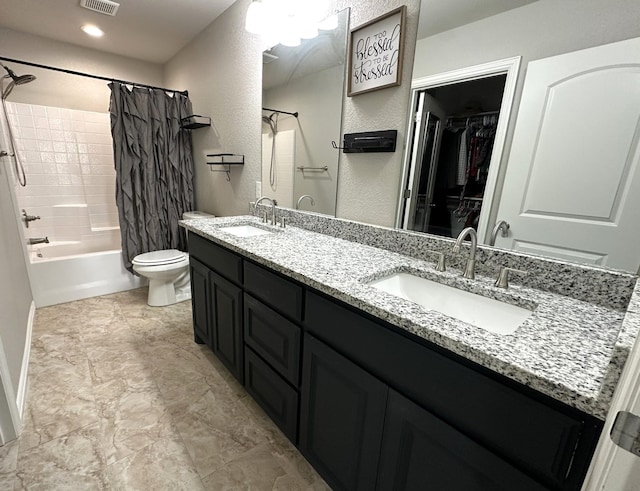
x=368 y=183
x=222 y=68
x=538 y=30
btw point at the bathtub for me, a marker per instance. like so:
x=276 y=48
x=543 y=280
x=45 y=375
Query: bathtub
x=64 y=271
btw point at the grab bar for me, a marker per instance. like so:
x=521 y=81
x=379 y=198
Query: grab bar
x=315 y=169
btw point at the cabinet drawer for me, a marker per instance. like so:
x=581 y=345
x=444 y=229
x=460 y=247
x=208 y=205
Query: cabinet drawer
x=278 y=399
x=219 y=259
x=504 y=418
x=274 y=290
x=273 y=337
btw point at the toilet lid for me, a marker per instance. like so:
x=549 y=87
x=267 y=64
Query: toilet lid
x=167 y=256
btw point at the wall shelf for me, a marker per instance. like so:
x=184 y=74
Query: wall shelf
x=222 y=162
x=195 y=121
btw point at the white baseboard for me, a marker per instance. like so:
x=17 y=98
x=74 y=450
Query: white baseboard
x=24 y=371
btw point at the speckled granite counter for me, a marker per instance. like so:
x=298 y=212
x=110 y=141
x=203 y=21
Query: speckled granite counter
x=568 y=349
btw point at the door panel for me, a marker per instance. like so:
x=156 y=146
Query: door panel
x=572 y=186
x=341 y=416
x=419 y=451
x=430 y=117
x=200 y=300
x=226 y=320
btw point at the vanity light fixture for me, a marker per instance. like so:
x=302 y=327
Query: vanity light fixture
x=92 y=30
x=287 y=22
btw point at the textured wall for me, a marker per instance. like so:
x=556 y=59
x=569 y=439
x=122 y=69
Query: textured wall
x=222 y=69
x=368 y=183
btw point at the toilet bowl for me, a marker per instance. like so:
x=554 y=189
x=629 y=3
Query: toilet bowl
x=168 y=274
x=167 y=271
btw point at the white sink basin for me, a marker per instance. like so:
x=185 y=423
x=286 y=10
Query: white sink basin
x=486 y=313
x=245 y=231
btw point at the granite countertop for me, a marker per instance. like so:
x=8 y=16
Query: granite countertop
x=568 y=349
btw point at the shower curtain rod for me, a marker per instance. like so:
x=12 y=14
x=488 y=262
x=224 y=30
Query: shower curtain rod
x=281 y=112
x=89 y=75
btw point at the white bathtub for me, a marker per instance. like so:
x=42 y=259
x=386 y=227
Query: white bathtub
x=60 y=274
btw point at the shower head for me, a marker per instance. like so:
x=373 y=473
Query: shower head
x=18 y=79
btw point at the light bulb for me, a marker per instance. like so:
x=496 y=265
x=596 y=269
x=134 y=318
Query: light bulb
x=289 y=32
x=92 y=30
x=307 y=29
x=255 y=18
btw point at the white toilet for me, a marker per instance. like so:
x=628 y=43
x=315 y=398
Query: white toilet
x=167 y=271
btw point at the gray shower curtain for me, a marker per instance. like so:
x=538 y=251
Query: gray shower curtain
x=154 y=168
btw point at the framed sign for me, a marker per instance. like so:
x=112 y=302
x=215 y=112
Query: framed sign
x=375 y=53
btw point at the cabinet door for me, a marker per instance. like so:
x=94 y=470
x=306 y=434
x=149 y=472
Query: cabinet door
x=420 y=451
x=226 y=323
x=199 y=301
x=341 y=418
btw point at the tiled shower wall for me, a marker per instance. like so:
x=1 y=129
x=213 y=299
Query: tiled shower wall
x=68 y=160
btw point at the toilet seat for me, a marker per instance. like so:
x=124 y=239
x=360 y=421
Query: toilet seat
x=159 y=258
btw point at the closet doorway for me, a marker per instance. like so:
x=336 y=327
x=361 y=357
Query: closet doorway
x=456 y=136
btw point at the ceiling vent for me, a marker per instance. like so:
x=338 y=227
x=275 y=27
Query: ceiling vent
x=102 y=6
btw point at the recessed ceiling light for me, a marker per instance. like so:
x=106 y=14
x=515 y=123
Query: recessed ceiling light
x=92 y=30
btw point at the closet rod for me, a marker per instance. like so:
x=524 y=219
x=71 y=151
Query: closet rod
x=89 y=75
x=476 y=115
x=281 y=112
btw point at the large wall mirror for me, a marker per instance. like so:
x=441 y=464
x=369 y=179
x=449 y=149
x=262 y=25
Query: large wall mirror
x=551 y=188
x=302 y=98
x=457 y=34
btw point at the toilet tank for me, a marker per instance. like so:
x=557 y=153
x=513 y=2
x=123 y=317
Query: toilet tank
x=190 y=215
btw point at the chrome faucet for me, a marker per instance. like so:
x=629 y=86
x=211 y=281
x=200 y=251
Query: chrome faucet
x=273 y=207
x=303 y=197
x=501 y=226
x=469 y=271
x=38 y=240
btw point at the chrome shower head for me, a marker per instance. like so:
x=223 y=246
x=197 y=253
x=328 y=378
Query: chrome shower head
x=18 y=79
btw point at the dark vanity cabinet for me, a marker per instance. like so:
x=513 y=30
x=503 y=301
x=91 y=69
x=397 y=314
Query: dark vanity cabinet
x=372 y=406
x=217 y=301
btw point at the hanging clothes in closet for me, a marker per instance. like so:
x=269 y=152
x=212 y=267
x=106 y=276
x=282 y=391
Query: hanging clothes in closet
x=475 y=143
x=468 y=171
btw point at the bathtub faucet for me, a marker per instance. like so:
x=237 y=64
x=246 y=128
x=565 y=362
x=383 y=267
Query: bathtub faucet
x=38 y=240
x=28 y=218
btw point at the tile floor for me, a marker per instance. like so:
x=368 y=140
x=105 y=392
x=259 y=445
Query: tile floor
x=120 y=397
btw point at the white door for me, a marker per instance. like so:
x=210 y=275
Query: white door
x=572 y=185
x=425 y=147
x=614 y=468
